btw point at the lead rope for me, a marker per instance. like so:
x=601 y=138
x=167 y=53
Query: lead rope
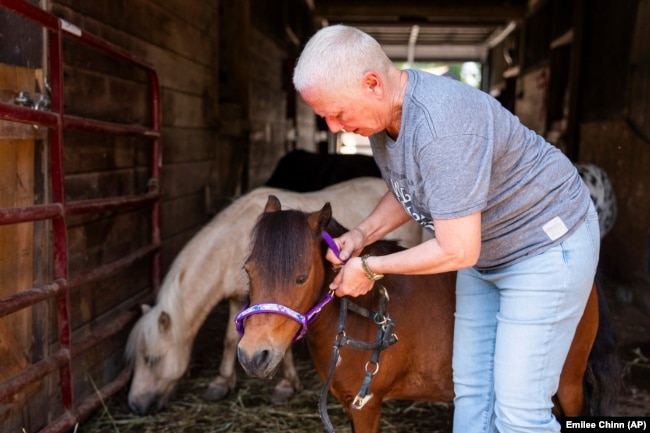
x=383 y=340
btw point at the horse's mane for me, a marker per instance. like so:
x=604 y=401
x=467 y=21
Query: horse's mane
x=146 y=328
x=132 y=342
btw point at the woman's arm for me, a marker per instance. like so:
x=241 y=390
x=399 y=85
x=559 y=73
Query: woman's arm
x=457 y=245
x=385 y=217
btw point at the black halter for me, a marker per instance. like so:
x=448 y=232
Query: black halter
x=384 y=339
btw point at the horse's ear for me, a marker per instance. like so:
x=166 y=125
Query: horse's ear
x=164 y=322
x=320 y=219
x=326 y=213
x=272 y=204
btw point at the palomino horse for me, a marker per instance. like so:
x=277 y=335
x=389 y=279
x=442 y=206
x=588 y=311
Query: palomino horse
x=209 y=270
x=289 y=276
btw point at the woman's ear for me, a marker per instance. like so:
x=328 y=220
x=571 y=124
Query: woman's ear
x=373 y=84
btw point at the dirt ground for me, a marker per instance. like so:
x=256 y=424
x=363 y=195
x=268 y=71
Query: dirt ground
x=248 y=409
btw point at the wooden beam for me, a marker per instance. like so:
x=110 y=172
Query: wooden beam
x=404 y=10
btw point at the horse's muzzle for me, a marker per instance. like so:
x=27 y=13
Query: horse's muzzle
x=261 y=363
x=144 y=406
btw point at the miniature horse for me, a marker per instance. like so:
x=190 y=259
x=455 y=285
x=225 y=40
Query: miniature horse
x=208 y=270
x=287 y=268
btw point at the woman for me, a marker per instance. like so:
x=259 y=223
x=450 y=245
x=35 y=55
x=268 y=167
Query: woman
x=510 y=213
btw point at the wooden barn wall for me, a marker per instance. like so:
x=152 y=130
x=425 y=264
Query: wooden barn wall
x=615 y=130
x=24 y=247
x=229 y=113
x=268 y=107
x=625 y=156
x=586 y=92
x=277 y=117
x=233 y=82
x=180 y=38
x=606 y=59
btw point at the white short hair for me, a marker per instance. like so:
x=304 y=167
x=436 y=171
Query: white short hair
x=336 y=57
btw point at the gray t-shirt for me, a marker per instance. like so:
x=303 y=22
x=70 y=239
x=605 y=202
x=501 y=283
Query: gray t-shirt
x=460 y=152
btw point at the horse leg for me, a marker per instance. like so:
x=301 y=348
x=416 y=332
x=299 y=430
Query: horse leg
x=366 y=419
x=225 y=382
x=289 y=384
x=570 y=394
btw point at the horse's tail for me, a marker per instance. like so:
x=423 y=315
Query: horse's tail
x=603 y=376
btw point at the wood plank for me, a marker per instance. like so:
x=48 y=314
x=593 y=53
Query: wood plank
x=172 y=246
x=106 y=184
x=90 y=94
x=91 y=301
x=106 y=240
x=14 y=360
x=145 y=20
x=86 y=152
x=186 y=74
x=16 y=240
x=189 y=144
x=183 y=110
x=194 y=13
x=182 y=179
x=184 y=213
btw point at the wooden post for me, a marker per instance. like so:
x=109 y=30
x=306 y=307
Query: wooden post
x=17 y=147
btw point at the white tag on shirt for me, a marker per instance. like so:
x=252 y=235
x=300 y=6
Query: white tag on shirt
x=555 y=228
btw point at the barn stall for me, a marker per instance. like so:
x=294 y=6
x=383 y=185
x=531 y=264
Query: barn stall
x=150 y=133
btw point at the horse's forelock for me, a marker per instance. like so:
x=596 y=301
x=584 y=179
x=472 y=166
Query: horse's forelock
x=280 y=245
x=133 y=341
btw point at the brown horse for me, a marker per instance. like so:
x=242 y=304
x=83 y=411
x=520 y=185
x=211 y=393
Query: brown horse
x=289 y=275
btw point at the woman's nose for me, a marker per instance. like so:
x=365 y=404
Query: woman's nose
x=333 y=124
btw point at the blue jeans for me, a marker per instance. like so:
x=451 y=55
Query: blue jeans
x=513 y=329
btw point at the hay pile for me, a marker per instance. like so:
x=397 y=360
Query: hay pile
x=248 y=410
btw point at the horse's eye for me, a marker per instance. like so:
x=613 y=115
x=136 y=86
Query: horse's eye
x=302 y=279
x=151 y=361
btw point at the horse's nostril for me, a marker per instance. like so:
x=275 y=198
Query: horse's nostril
x=242 y=356
x=134 y=409
x=262 y=359
x=255 y=364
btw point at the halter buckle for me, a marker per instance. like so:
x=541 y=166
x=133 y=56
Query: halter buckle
x=359 y=402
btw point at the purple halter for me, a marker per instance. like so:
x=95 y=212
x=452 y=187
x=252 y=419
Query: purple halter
x=303 y=319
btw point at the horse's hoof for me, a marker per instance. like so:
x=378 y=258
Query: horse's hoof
x=282 y=392
x=215 y=392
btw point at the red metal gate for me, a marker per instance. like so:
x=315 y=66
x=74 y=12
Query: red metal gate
x=57 y=210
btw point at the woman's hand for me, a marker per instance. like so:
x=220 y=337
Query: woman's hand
x=351 y=280
x=350 y=244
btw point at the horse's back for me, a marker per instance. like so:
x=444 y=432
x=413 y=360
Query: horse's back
x=351 y=201
x=219 y=248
